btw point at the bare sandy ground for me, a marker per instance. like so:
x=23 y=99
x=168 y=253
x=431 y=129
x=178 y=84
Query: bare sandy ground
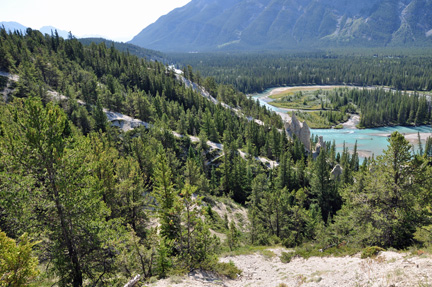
x=411 y=137
x=352 y=122
x=388 y=269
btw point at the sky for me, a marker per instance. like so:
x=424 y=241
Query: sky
x=120 y=21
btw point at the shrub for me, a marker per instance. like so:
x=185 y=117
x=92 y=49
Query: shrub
x=227 y=269
x=371 y=251
x=287 y=256
x=17 y=265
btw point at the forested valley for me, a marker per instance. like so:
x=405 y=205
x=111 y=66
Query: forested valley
x=255 y=72
x=84 y=203
x=396 y=74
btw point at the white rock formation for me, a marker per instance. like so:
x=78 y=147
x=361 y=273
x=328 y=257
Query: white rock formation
x=337 y=171
x=301 y=130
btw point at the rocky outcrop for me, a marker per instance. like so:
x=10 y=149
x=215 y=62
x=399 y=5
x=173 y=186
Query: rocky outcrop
x=337 y=171
x=320 y=145
x=301 y=130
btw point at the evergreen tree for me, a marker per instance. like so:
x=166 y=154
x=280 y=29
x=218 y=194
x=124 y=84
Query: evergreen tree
x=385 y=206
x=38 y=146
x=166 y=198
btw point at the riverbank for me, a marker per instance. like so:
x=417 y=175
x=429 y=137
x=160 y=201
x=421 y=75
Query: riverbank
x=412 y=137
x=352 y=122
x=370 y=141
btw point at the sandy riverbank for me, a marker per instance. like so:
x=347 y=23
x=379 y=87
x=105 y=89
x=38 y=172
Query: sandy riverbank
x=352 y=122
x=411 y=137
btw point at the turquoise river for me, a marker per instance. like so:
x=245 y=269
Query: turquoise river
x=370 y=141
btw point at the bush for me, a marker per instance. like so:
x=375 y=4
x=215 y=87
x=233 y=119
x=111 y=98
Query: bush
x=371 y=251
x=287 y=256
x=226 y=269
x=17 y=265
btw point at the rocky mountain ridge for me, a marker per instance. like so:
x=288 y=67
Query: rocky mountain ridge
x=212 y=25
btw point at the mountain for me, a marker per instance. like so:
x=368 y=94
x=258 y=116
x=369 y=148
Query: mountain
x=125 y=47
x=210 y=25
x=12 y=26
x=48 y=29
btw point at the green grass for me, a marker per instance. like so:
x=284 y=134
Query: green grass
x=311 y=250
x=306 y=100
x=317 y=120
x=248 y=250
x=313 y=105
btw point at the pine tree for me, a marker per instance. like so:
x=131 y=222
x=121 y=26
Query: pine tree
x=166 y=198
x=41 y=151
x=100 y=118
x=233 y=236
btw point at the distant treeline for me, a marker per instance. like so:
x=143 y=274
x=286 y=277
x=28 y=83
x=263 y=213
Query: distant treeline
x=254 y=72
x=379 y=107
x=125 y=47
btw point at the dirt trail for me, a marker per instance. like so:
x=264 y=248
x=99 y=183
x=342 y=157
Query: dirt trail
x=388 y=269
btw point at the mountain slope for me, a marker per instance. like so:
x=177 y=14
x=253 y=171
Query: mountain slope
x=280 y=24
x=13 y=26
x=124 y=47
x=51 y=29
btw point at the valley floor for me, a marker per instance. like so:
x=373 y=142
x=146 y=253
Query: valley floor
x=388 y=269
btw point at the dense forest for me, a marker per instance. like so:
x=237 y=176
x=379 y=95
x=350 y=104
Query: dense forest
x=85 y=203
x=378 y=107
x=253 y=72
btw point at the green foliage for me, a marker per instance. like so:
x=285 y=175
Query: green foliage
x=386 y=205
x=213 y=219
x=3 y=82
x=164 y=261
x=124 y=47
x=166 y=198
x=141 y=256
x=40 y=149
x=286 y=257
x=308 y=250
x=233 y=236
x=17 y=265
x=228 y=270
x=87 y=190
x=256 y=72
x=371 y=251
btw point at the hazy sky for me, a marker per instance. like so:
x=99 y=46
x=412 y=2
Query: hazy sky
x=119 y=20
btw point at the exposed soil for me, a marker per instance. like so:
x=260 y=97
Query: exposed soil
x=352 y=122
x=388 y=269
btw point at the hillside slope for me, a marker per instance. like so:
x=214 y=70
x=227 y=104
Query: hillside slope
x=388 y=269
x=209 y=25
